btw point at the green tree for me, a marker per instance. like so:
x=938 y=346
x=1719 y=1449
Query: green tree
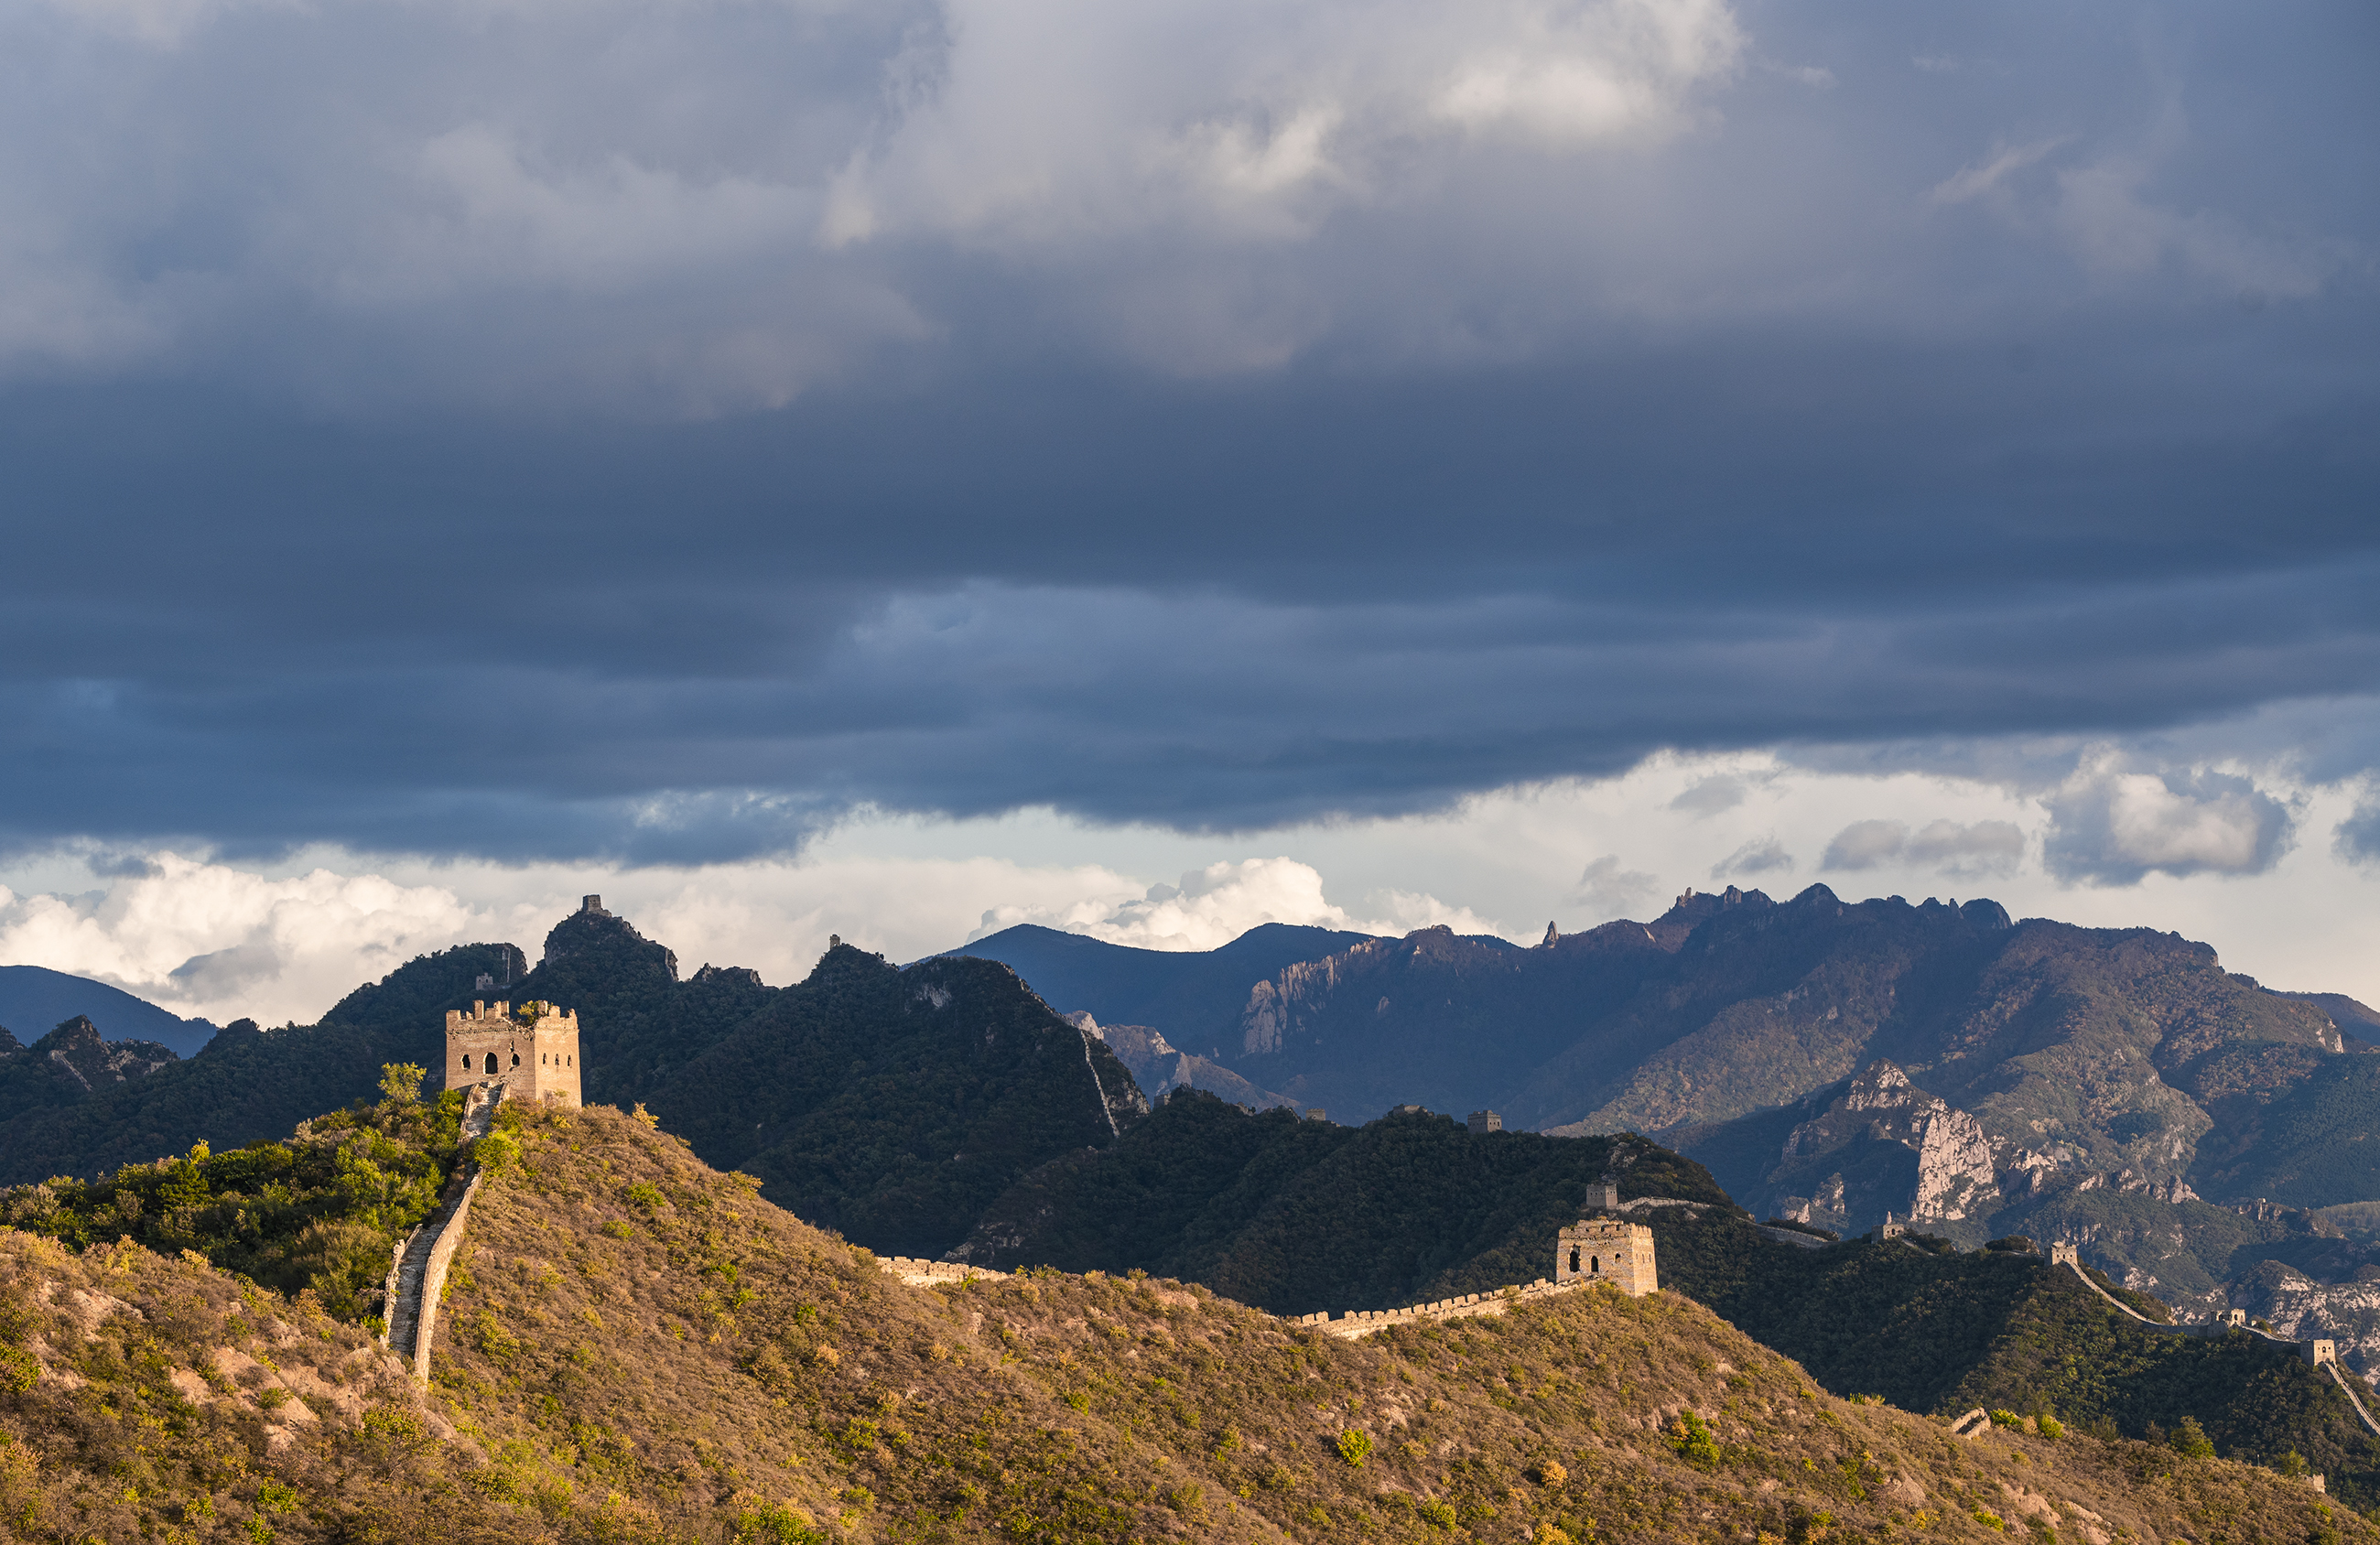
x=2191 y=1438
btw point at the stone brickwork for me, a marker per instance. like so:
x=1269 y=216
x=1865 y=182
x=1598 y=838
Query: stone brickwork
x=918 y=1273
x=1605 y=1249
x=534 y=1055
x=434 y=1281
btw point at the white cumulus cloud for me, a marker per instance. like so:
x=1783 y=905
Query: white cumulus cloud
x=2111 y=826
x=212 y=941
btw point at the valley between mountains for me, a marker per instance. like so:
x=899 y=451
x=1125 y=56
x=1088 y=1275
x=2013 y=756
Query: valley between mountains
x=1989 y=1081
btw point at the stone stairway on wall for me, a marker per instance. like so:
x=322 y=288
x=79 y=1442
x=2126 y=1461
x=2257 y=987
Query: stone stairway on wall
x=418 y=1274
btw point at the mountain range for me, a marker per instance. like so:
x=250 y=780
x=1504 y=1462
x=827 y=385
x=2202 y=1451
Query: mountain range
x=2203 y=1139
x=33 y=999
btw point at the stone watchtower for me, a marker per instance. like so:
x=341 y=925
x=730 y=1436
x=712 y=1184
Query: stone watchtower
x=534 y=1053
x=1605 y=1249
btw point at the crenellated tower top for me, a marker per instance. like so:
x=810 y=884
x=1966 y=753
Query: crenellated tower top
x=533 y=1050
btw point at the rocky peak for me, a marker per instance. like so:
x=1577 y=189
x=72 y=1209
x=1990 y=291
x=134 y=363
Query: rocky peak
x=609 y=941
x=76 y=1049
x=1954 y=1177
x=1880 y=1085
x=737 y=976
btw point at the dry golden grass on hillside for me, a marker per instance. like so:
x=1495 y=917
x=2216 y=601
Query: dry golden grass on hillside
x=638 y=1344
x=153 y=1397
x=635 y=1347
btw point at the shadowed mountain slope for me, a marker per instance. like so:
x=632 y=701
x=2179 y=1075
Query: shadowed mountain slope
x=1184 y=995
x=31 y=996
x=895 y=1105
x=251 y=1086
x=1296 y=1215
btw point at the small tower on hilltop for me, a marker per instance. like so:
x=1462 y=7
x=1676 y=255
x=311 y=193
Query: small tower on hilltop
x=1605 y=1249
x=534 y=1053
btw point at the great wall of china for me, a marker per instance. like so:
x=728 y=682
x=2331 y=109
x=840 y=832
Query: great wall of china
x=416 y=1279
x=1348 y=1326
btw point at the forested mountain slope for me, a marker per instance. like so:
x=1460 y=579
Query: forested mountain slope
x=1295 y=1215
x=249 y=1085
x=894 y=1105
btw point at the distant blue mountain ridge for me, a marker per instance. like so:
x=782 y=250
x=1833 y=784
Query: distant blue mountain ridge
x=34 y=1000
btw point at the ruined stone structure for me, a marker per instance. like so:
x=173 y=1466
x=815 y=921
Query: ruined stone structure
x=1605 y=1249
x=1485 y=1121
x=534 y=1054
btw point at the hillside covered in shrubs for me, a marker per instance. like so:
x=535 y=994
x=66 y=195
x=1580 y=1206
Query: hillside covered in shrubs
x=316 y=1212
x=637 y=1347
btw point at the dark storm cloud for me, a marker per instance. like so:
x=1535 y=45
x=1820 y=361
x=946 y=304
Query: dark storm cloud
x=483 y=472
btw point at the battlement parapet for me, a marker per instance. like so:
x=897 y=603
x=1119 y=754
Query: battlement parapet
x=533 y=1053
x=1605 y=1249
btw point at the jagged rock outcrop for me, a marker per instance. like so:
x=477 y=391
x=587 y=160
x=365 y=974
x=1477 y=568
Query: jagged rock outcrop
x=77 y=1049
x=1851 y=1174
x=1159 y=1067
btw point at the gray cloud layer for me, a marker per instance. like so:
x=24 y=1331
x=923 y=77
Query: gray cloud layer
x=606 y=430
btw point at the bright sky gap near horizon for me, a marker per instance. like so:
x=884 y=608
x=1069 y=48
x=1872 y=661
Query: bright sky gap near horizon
x=808 y=466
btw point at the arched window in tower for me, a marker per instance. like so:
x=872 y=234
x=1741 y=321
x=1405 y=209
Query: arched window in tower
x=1594 y=1266
x=492 y=1062
x=1573 y=1260
x=516 y=1059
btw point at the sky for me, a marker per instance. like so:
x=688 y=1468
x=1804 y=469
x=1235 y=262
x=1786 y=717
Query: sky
x=808 y=466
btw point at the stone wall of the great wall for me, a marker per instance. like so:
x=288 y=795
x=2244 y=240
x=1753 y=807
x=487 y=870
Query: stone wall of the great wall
x=1354 y=1323
x=433 y=1280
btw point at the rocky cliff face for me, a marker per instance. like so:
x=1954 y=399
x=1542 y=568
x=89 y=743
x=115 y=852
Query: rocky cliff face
x=2298 y=1306
x=1159 y=1068
x=1883 y=1145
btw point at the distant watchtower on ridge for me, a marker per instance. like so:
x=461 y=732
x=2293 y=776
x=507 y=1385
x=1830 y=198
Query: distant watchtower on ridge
x=533 y=1053
x=1605 y=1249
